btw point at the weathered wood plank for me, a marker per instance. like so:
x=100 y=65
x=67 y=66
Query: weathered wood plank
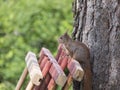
x=75 y=70
x=43 y=62
x=68 y=83
x=46 y=68
x=51 y=85
x=33 y=68
x=22 y=78
x=55 y=71
x=30 y=86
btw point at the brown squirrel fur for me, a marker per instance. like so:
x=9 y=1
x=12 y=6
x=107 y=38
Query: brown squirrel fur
x=80 y=52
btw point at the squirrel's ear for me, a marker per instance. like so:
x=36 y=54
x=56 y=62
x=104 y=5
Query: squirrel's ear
x=66 y=33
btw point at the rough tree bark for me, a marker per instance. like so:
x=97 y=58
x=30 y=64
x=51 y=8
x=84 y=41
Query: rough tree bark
x=97 y=24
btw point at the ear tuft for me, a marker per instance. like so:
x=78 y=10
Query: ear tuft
x=66 y=33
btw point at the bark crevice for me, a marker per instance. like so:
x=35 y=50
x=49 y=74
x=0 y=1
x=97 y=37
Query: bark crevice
x=98 y=26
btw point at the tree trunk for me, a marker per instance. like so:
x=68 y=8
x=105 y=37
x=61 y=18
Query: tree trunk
x=97 y=24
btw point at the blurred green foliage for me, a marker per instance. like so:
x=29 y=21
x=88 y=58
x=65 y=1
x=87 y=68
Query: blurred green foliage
x=28 y=25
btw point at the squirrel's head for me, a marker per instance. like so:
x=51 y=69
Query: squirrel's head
x=64 y=38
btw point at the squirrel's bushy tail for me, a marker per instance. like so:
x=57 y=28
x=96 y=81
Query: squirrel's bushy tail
x=87 y=80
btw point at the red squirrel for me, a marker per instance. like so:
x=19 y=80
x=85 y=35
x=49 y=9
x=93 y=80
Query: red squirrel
x=80 y=52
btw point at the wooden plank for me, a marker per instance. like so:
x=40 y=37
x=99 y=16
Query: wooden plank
x=59 y=51
x=22 y=78
x=55 y=71
x=47 y=79
x=75 y=70
x=41 y=56
x=39 y=86
x=46 y=68
x=44 y=83
x=43 y=62
x=68 y=83
x=51 y=85
x=58 y=75
x=47 y=53
x=30 y=86
x=64 y=63
x=62 y=55
x=33 y=68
